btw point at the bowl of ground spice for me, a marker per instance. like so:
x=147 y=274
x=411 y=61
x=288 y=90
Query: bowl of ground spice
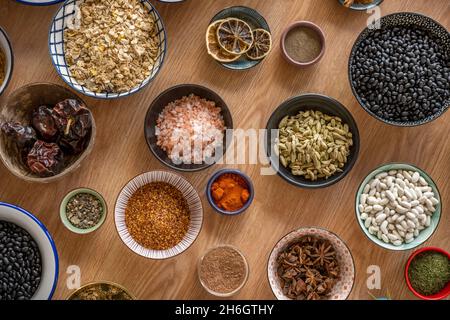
x=303 y=43
x=230 y=192
x=427 y=273
x=223 y=271
x=158 y=215
x=83 y=210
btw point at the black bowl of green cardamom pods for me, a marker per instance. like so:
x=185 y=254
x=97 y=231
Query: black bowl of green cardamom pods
x=312 y=141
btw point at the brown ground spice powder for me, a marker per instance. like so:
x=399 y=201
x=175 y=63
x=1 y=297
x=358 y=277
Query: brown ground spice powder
x=157 y=216
x=303 y=44
x=223 y=270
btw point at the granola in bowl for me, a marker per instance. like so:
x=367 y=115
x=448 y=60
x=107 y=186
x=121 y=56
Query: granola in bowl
x=111 y=46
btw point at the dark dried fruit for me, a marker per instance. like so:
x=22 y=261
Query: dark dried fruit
x=308 y=269
x=74 y=123
x=45 y=159
x=23 y=136
x=44 y=123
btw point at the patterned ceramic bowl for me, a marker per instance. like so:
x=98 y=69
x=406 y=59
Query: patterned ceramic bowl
x=255 y=20
x=424 y=234
x=189 y=193
x=39 y=2
x=6 y=49
x=341 y=289
x=46 y=245
x=57 y=50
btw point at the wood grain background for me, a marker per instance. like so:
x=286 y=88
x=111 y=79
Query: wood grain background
x=121 y=153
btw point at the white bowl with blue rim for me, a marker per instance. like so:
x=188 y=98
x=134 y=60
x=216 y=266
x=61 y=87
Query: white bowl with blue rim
x=39 y=2
x=426 y=233
x=49 y=255
x=57 y=52
x=6 y=48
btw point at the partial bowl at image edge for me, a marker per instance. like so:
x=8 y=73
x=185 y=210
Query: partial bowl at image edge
x=435 y=219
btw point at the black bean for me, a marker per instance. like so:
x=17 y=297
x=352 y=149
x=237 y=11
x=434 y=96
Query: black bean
x=19 y=277
x=402 y=73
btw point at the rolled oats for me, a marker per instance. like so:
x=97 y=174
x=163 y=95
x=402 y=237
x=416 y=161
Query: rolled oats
x=113 y=47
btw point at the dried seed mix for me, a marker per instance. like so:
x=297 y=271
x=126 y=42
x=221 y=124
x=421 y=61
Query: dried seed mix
x=190 y=129
x=84 y=210
x=101 y=291
x=157 y=216
x=223 y=270
x=115 y=46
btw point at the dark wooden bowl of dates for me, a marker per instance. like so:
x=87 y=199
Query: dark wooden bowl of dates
x=188 y=115
x=45 y=132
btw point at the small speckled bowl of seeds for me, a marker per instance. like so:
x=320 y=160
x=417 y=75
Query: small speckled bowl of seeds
x=83 y=210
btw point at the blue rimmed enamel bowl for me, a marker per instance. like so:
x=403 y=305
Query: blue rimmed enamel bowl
x=61 y=20
x=49 y=255
x=255 y=20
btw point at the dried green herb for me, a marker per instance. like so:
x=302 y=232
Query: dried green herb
x=429 y=272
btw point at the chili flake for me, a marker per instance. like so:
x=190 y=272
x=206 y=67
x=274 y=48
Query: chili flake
x=157 y=216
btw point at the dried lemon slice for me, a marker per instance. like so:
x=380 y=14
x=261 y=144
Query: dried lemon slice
x=262 y=44
x=235 y=36
x=214 y=49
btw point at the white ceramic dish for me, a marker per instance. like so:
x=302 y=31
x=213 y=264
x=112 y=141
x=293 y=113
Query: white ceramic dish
x=341 y=289
x=56 y=47
x=47 y=248
x=5 y=46
x=189 y=193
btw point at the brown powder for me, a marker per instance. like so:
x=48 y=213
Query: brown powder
x=157 y=216
x=223 y=270
x=303 y=44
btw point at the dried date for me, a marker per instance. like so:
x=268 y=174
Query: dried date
x=23 y=136
x=74 y=123
x=42 y=120
x=45 y=159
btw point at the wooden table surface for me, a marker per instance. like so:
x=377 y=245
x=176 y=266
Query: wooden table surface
x=120 y=152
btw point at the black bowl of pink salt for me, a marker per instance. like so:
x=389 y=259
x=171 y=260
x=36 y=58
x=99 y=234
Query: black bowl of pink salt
x=303 y=43
x=186 y=127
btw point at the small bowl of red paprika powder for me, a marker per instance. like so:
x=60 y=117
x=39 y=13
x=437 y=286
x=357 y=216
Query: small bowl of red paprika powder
x=230 y=192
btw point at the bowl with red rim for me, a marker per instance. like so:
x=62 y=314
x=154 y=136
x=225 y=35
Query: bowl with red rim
x=444 y=293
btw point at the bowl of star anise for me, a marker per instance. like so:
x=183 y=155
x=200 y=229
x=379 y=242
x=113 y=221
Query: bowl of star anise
x=311 y=264
x=45 y=132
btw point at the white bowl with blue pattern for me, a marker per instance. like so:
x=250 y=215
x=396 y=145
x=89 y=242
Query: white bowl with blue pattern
x=57 y=50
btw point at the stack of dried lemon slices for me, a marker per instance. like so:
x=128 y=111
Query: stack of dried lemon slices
x=229 y=39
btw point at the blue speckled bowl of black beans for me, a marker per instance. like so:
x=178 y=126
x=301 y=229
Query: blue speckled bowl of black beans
x=400 y=74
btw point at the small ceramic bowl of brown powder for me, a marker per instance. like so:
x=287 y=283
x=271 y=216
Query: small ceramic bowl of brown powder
x=303 y=43
x=223 y=271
